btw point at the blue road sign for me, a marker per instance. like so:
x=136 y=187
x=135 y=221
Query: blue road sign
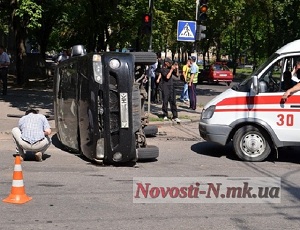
x=186 y=31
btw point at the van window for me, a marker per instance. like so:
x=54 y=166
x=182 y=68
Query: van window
x=272 y=77
x=290 y=62
x=245 y=85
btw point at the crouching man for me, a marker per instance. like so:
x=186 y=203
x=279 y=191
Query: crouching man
x=32 y=134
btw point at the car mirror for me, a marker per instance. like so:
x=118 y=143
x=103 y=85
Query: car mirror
x=78 y=50
x=254 y=86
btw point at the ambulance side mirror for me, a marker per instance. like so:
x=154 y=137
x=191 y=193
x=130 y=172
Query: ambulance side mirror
x=254 y=87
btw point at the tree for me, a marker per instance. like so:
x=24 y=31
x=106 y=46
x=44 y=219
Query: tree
x=254 y=28
x=25 y=16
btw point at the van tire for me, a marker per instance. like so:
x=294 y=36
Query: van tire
x=251 y=143
x=145 y=58
x=150 y=130
x=150 y=152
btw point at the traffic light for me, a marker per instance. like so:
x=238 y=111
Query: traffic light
x=199 y=34
x=146 y=24
x=201 y=10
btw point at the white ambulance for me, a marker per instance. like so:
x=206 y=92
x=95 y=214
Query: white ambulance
x=252 y=114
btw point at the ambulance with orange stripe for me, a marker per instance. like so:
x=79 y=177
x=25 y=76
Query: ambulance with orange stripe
x=252 y=113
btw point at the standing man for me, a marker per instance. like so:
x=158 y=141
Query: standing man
x=192 y=81
x=168 y=92
x=151 y=74
x=158 y=84
x=32 y=134
x=185 y=93
x=4 y=63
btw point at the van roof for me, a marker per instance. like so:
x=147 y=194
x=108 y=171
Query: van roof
x=290 y=47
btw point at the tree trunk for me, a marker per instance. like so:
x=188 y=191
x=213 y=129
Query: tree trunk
x=20 y=55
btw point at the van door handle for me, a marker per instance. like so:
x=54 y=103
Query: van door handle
x=295 y=106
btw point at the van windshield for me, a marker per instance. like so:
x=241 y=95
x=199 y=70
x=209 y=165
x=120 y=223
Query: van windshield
x=245 y=85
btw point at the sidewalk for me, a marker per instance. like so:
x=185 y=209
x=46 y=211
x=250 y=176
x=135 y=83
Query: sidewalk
x=184 y=113
x=17 y=101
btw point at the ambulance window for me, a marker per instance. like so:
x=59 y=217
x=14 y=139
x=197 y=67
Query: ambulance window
x=272 y=76
x=288 y=80
x=296 y=76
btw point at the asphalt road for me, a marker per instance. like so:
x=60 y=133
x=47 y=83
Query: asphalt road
x=69 y=192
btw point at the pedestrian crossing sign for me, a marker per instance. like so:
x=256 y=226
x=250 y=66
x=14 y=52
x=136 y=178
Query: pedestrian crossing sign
x=186 y=31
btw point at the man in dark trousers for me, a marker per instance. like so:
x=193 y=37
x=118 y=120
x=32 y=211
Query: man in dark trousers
x=168 y=92
x=192 y=80
x=158 y=87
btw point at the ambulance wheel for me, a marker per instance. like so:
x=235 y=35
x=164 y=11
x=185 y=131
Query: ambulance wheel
x=251 y=143
x=150 y=152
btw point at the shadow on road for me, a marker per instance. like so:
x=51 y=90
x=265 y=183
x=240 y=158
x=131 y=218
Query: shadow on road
x=286 y=154
x=214 y=150
x=38 y=95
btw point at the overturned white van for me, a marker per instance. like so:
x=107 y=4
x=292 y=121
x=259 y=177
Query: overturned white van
x=252 y=113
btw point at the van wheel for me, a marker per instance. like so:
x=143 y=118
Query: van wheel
x=145 y=58
x=251 y=143
x=150 y=152
x=228 y=83
x=150 y=130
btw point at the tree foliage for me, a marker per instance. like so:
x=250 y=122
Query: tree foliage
x=235 y=28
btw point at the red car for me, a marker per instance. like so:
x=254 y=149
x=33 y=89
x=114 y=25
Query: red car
x=217 y=72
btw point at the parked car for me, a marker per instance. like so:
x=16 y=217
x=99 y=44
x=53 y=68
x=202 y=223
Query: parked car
x=215 y=73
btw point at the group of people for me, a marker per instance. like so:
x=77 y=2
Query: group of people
x=162 y=75
x=190 y=77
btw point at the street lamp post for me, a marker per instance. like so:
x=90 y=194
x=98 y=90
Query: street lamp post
x=149 y=50
x=151 y=13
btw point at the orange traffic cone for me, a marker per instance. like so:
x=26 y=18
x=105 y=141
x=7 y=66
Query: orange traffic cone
x=17 y=194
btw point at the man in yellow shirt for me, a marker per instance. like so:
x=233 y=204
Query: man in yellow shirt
x=185 y=71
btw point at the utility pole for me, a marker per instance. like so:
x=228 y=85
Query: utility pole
x=151 y=13
x=201 y=16
x=149 y=50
